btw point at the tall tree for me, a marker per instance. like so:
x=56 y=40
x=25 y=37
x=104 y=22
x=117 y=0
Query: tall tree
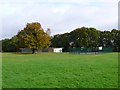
x=34 y=37
x=9 y=45
x=106 y=39
x=94 y=36
x=115 y=34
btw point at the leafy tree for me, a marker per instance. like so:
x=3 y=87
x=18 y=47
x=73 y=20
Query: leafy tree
x=85 y=37
x=34 y=37
x=115 y=35
x=61 y=40
x=56 y=40
x=94 y=36
x=106 y=39
x=79 y=36
x=10 y=45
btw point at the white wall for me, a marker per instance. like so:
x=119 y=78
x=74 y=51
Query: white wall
x=57 y=50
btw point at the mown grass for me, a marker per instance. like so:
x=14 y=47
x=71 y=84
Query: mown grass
x=63 y=70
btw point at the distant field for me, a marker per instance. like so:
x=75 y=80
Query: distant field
x=63 y=70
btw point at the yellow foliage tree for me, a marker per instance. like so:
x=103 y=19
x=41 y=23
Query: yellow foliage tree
x=34 y=37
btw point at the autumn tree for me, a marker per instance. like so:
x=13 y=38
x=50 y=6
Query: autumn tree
x=34 y=37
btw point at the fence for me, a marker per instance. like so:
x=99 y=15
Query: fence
x=90 y=50
x=107 y=49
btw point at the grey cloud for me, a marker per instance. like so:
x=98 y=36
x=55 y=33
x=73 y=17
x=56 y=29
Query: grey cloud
x=60 y=16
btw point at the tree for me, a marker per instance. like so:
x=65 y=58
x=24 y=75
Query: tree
x=61 y=40
x=79 y=37
x=94 y=36
x=56 y=41
x=9 y=45
x=34 y=37
x=115 y=34
x=85 y=37
x=105 y=39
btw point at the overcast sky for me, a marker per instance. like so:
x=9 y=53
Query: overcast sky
x=59 y=15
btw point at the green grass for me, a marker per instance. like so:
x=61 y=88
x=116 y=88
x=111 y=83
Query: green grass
x=63 y=70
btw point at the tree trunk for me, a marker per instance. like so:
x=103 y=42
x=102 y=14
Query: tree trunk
x=33 y=51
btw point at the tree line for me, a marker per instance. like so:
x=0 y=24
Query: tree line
x=88 y=38
x=33 y=36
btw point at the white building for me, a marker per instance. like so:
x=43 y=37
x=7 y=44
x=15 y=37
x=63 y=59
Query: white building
x=57 y=50
x=100 y=48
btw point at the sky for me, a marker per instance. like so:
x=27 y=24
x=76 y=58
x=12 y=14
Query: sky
x=60 y=16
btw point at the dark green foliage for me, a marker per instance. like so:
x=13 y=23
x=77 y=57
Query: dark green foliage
x=10 y=45
x=88 y=38
x=61 y=41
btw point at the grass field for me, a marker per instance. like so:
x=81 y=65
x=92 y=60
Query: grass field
x=62 y=70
